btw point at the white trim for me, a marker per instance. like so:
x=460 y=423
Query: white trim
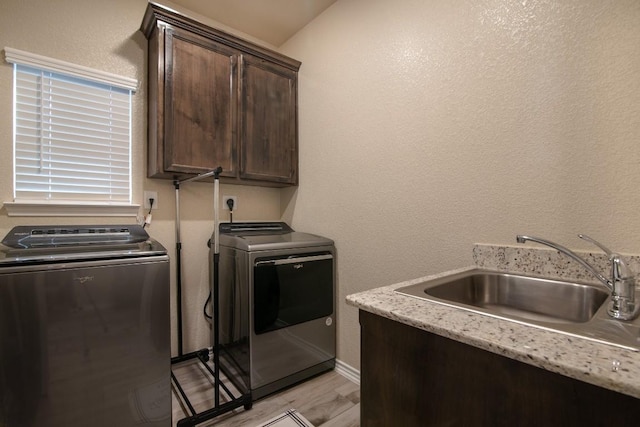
x=69 y=209
x=347 y=371
x=16 y=56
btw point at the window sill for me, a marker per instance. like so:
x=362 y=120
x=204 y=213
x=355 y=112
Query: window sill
x=69 y=209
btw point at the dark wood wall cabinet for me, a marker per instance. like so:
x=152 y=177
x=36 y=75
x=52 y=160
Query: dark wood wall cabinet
x=410 y=377
x=217 y=100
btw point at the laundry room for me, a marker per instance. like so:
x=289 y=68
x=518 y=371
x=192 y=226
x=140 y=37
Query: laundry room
x=207 y=155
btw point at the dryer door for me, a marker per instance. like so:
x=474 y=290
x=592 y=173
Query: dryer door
x=291 y=290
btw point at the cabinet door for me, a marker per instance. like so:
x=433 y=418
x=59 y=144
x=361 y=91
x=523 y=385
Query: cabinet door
x=268 y=121
x=199 y=104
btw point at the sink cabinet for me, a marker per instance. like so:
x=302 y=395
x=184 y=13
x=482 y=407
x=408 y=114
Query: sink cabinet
x=411 y=377
x=218 y=100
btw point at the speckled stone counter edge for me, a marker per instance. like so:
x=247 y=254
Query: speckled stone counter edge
x=599 y=364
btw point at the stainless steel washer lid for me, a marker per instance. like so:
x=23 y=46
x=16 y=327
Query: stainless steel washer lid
x=45 y=244
x=267 y=236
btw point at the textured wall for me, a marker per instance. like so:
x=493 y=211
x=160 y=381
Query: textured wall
x=426 y=126
x=104 y=35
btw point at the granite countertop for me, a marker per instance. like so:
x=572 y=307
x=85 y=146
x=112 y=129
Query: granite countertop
x=592 y=362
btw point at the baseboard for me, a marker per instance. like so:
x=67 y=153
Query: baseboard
x=347 y=371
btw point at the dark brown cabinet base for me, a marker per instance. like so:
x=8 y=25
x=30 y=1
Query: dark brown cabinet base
x=410 y=377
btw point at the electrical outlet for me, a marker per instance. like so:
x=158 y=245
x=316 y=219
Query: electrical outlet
x=224 y=202
x=150 y=195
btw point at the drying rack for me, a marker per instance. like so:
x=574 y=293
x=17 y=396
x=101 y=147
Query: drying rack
x=219 y=367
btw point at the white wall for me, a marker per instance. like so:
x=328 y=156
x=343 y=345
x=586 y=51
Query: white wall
x=427 y=126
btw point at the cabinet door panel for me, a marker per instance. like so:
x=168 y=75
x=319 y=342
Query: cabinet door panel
x=200 y=108
x=268 y=122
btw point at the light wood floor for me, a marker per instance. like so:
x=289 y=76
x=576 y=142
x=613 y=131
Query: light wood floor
x=328 y=400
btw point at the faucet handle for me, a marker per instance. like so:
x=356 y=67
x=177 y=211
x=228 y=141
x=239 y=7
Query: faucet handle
x=619 y=269
x=623 y=303
x=598 y=244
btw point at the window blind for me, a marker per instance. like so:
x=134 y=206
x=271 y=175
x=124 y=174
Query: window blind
x=72 y=138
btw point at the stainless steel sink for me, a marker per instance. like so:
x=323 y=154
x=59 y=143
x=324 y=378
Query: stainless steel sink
x=526 y=297
x=570 y=308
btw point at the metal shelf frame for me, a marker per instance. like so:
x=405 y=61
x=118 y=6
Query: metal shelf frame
x=216 y=366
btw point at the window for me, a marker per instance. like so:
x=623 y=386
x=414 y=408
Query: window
x=72 y=133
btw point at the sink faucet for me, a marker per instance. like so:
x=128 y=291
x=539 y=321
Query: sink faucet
x=621 y=283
